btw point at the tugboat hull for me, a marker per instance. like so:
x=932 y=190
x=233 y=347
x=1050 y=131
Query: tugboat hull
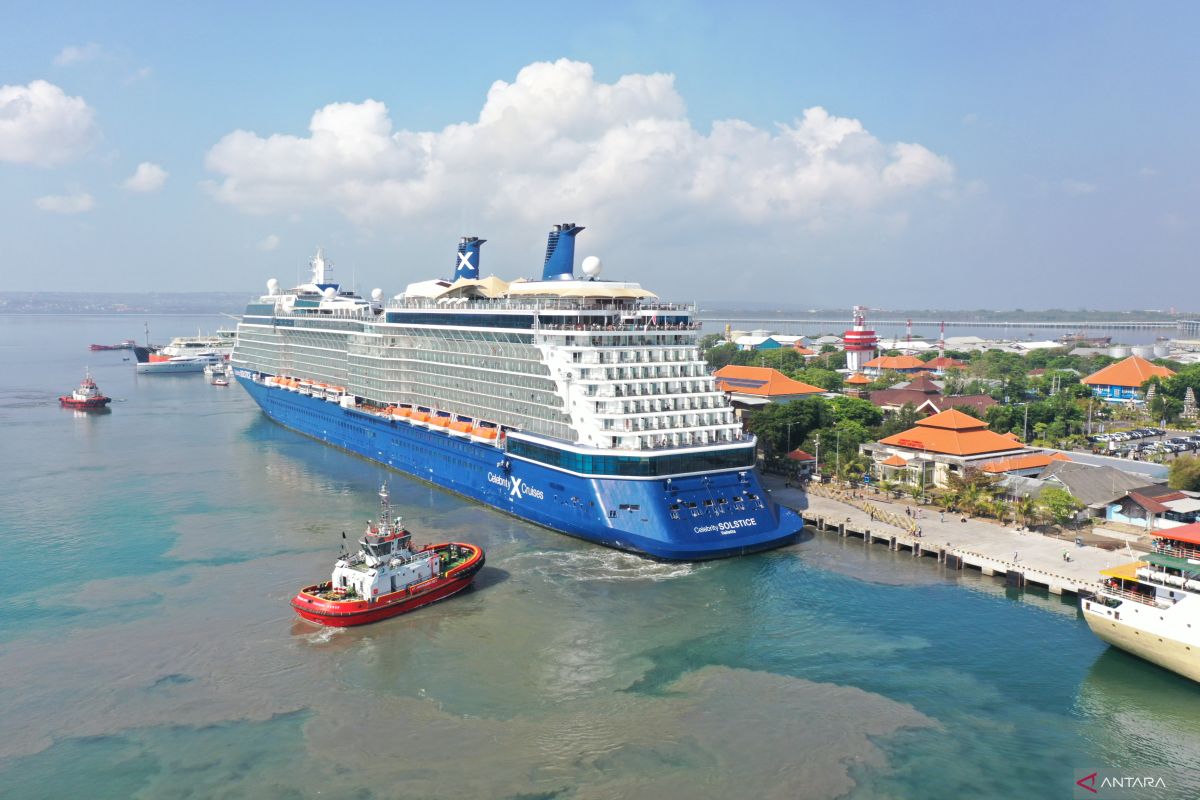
x=311 y=604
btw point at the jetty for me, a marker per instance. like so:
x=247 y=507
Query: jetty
x=1022 y=558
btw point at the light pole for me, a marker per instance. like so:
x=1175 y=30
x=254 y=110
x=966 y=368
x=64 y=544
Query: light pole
x=837 y=470
x=817 y=439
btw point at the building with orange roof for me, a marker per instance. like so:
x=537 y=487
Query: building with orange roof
x=1027 y=465
x=939 y=446
x=756 y=386
x=1122 y=381
x=881 y=364
x=942 y=363
x=856 y=385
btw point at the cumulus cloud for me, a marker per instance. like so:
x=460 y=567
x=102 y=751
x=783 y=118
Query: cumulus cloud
x=78 y=54
x=40 y=124
x=77 y=202
x=556 y=142
x=269 y=243
x=146 y=178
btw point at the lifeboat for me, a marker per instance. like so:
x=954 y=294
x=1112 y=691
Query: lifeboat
x=440 y=422
x=420 y=416
x=461 y=426
x=485 y=432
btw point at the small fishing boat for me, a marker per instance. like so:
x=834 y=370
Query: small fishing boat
x=220 y=380
x=87 y=397
x=387 y=577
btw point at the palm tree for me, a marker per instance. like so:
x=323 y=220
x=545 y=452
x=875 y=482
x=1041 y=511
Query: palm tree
x=1026 y=509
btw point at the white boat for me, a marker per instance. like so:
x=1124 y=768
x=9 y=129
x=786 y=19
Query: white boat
x=1151 y=607
x=186 y=354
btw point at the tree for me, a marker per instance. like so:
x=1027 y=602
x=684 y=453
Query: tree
x=855 y=409
x=1185 y=474
x=782 y=426
x=902 y=420
x=1026 y=511
x=1059 y=504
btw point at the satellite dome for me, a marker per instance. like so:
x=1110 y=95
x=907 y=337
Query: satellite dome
x=377 y=294
x=591 y=266
x=272 y=286
x=329 y=293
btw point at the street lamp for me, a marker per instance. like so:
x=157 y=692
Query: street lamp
x=817 y=439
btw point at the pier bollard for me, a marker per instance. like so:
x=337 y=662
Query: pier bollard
x=941 y=555
x=842 y=529
x=1014 y=578
x=892 y=544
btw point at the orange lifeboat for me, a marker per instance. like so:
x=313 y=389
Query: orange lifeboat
x=402 y=411
x=484 y=432
x=460 y=427
x=441 y=422
x=420 y=416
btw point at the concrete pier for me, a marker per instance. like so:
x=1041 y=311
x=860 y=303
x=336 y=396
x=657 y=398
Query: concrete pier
x=1022 y=558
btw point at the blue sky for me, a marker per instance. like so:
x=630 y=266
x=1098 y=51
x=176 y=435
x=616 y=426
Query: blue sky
x=928 y=154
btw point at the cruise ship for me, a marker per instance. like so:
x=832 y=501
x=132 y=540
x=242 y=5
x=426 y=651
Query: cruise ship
x=1151 y=607
x=580 y=404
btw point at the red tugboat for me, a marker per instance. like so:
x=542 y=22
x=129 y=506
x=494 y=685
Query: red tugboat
x=86 y=398
x=386 y=577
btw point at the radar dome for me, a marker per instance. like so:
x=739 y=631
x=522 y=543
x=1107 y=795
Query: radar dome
x=272 y=286
x=591 y=266
x=329 y=293
x=377 y=295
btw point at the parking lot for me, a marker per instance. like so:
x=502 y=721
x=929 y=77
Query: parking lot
x=1147 y=442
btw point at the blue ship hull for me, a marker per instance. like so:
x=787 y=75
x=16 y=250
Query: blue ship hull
x=685 y=518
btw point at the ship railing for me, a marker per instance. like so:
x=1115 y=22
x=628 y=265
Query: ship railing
x=1178 y=551
x=1137 y=597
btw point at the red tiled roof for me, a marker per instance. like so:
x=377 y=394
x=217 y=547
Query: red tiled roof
x=945 y=362
x=800 y=455
x=761 y=381
x=1133 y=371
x=804 y=351
x=952 y=433
x=858 y=379
x=895 y=362
x=1017 y=463
x=894 y=461
x=1153 y=506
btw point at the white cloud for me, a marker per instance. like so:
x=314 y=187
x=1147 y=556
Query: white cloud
x=146 y=178
x=1076 y=188
x=40 y=124
x=139 y=74
x=75 y=203
x=556 y=142
x=271 y=242
x=78 y=54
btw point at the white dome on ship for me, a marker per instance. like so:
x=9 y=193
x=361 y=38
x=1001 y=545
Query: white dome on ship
x=272 y=286
x=377 y=295
x=329 y=293
x=591 y=266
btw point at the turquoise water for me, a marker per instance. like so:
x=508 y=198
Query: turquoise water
x=147 y=649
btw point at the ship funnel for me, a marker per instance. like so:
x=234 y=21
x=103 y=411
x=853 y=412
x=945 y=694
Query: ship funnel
x=468 y=257
x=560 y=252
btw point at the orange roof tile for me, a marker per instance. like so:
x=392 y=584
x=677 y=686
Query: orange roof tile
x=804 y=351
x=761 y=381
x=953 y=433
x=1133 y=371
x=1031 y=461
x=858 y=378
x=894 y=461
x=945 y=362
x=895 y=362
x=1184 y=533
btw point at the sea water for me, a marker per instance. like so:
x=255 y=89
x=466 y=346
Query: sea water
x=147 y=648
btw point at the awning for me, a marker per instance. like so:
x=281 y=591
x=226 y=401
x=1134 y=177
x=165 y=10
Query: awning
x=1125 y=571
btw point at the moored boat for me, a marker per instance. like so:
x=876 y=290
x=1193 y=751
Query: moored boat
x=387 y=577
x=87 y=397
x=126 y=344
x=1151 y=607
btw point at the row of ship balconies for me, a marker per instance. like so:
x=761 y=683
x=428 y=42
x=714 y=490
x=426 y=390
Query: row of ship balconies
x=651 y=404
x=672 y=439
x=590 y=374
x=622 y=355
x=670 y=422
x=650 y=388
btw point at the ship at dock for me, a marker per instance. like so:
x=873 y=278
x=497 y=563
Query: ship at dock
x=580 y=404
x=1151 y=607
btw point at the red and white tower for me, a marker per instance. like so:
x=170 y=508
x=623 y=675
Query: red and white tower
x=860 y=343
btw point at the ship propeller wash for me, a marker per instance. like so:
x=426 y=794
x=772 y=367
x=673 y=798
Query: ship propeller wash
x=577 y=403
